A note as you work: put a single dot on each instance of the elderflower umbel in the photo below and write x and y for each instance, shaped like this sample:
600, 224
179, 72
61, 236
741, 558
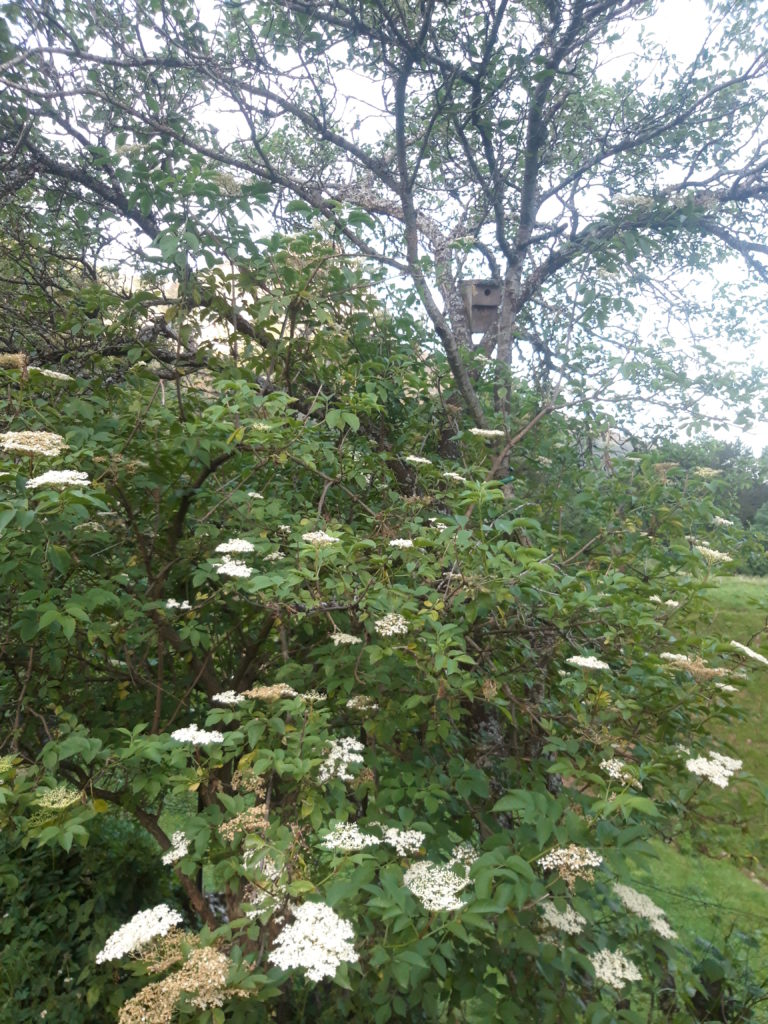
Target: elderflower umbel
567, 920
572, 862
274, 556
717, 768
231, 567
319, 539
59, 478
417, 460
616, 769
345, 638
51, 374
344, 754
236, 546
146, 925
436, 887
401, 542
404, 840
586, 662
191, 734
172, 604
479, 432
749, 652
348, 838
318, 941
228, 697
719, 521
710, 555
32, 442
391, 624
179, 848
613, 968
256, 495
313, 696
456, 477
362, 703
642, 905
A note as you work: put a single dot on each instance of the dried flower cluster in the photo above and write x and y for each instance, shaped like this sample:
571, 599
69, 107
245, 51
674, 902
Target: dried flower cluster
572, 862
567, 920
391, 624
32, 442
59, 478
142, 927
318, 941
613, 968
252, 819
344, 755
273, 691
204, 976
642, 905
717, 768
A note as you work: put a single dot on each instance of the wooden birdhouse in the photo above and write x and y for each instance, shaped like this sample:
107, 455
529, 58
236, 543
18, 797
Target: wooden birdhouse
482, 299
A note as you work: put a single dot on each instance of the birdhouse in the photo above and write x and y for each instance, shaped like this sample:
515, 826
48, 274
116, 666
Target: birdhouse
482, 299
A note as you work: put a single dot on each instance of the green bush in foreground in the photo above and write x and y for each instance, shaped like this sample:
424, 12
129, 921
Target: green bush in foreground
408, 724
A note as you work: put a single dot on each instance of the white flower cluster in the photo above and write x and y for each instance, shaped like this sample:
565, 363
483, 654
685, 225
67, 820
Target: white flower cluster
256, 495
727, 688
319, 539
401, 542
362, 703
719, 521
404, 840
344, 638
274, 556
479, 432
231, 567
567, 920
191, 734
391, 624
436, 886
417, 460
642, 905
655, 599
146, 925
236, 546
59, 478
348, 837
678, 659
437, 524
313, 696
32, 442
586, 662
51, 374
182, 606
344, 754
571, 862
613, 968
711, 555
318, 941
749, 652
617, 769
229, 698
456, 477
179, 848
717, 768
